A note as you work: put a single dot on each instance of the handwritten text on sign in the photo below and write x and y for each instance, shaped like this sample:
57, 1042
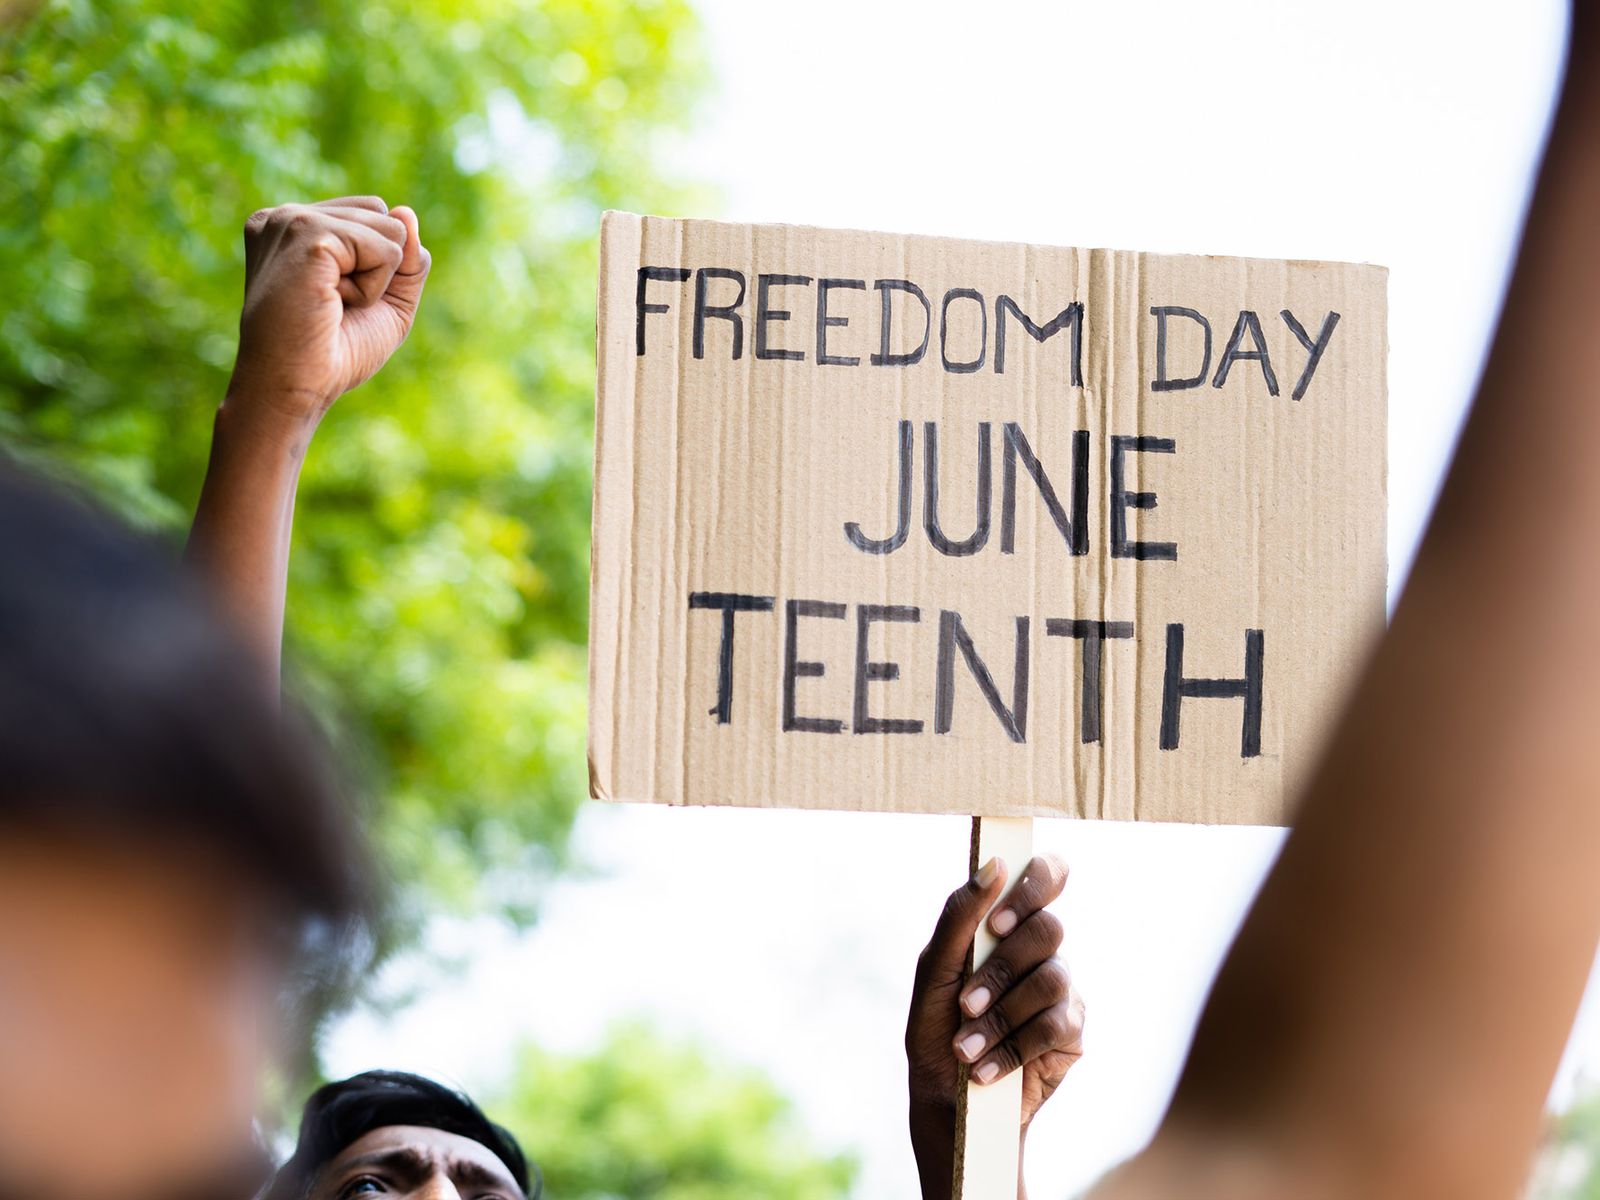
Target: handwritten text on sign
993, 534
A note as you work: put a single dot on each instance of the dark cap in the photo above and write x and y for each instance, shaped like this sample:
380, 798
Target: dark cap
339, 1114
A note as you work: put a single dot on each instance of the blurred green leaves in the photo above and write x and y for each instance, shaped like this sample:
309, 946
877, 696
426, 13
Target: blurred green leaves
643, 1119
1569, 1165
440, 567
438, 597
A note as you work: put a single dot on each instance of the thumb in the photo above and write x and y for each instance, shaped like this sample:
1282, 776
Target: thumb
405, 289
944, 962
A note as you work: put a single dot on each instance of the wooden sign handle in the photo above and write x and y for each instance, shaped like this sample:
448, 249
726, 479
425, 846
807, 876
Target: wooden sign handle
989, 1119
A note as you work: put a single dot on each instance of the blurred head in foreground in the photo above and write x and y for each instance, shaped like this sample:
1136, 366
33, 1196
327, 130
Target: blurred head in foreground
174, 860
386, 1133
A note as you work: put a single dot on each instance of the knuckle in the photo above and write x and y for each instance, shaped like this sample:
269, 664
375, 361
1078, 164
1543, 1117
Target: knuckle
1058, 1027
1054, 1065
1049, 929
994, 1024
999, 974
1007, 1054
1055, 981
958, 903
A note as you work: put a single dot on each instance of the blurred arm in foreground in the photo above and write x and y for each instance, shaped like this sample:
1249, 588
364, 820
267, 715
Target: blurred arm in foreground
331, 290
1390, 1019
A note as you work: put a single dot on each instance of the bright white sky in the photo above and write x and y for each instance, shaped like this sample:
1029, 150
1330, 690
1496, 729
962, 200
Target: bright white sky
1400, 132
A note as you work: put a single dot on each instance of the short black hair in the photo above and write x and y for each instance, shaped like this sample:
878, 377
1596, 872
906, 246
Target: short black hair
339, 1114
129, 709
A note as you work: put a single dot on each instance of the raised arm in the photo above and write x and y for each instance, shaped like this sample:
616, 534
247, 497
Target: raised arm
1390, 1019
331, 290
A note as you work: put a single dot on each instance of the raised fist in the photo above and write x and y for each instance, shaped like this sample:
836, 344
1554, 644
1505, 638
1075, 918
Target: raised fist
330, 292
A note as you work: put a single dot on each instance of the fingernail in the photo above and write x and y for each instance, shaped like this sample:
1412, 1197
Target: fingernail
1003, 922
987, 1072
976, 1001
972, 1046
988, 873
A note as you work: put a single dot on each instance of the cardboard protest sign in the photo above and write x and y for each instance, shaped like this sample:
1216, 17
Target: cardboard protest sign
924, 525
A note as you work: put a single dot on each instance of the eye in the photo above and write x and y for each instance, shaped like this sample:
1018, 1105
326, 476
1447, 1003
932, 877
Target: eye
363, 1185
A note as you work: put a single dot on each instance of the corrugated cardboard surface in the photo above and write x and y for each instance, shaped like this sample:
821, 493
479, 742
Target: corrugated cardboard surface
721, 475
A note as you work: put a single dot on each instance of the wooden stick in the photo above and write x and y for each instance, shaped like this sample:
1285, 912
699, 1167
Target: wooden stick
989, 1119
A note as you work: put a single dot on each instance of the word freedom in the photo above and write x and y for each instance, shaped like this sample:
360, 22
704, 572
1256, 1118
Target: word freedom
720, 295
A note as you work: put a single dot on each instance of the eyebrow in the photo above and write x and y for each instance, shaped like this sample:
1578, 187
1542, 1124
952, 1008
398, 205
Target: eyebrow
411, 1162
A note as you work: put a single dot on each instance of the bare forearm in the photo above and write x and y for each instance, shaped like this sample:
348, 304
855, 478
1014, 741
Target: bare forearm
241, 534
331, 290
1399, 997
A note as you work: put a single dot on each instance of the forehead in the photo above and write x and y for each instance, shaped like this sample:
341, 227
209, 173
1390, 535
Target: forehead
450, 1149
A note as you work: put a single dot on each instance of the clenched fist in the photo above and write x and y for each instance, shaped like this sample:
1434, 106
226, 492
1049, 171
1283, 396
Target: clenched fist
330, 292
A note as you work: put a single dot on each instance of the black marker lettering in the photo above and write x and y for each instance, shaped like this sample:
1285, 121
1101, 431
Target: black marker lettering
1071, 315
729, 603
1093, 635
795, 667
868, 671
1316, 348
825, 322
727, 312
952, 633
641, 306
1164, 382
930, 494
894, 541
963, 368
1177, 686
885, 357
1247, 321
765, 314
1074, 530
1122, 499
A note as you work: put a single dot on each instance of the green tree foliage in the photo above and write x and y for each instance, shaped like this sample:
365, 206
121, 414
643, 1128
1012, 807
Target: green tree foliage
1569, 1167
438, 598
440, 568
644, 1120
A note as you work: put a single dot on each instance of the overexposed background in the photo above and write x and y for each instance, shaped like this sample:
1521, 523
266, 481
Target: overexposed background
1375, 130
